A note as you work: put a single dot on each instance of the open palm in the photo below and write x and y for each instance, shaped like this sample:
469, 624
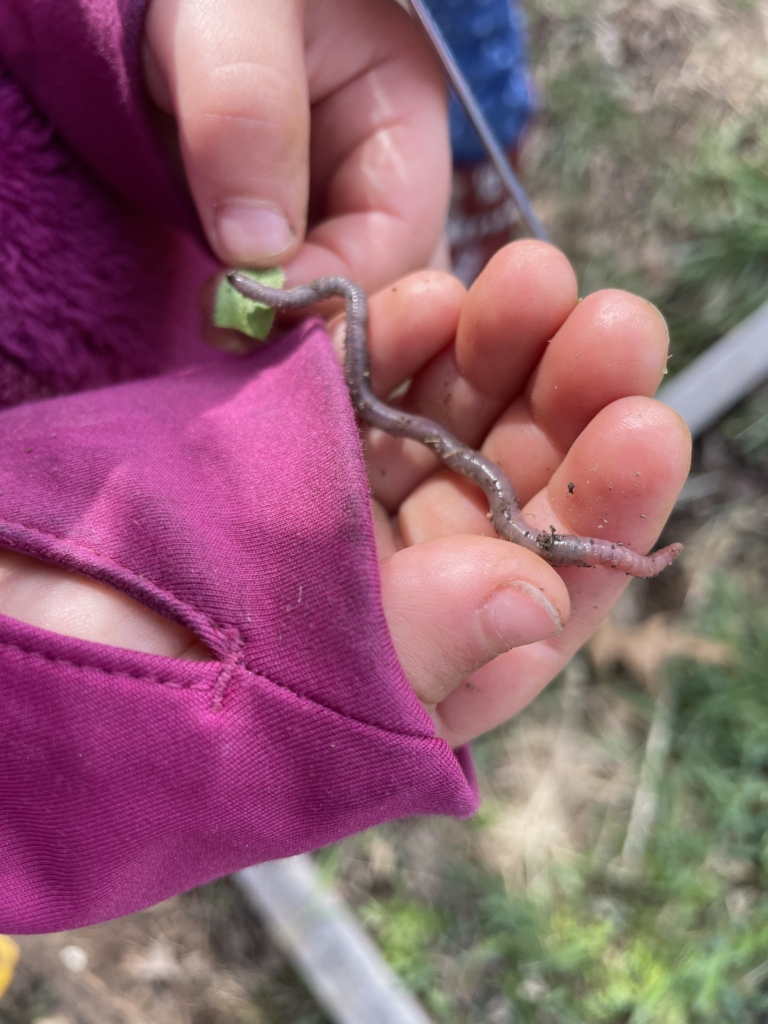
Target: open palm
558, 392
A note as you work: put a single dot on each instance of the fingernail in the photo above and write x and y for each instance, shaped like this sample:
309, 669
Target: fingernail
518, 614
250, 233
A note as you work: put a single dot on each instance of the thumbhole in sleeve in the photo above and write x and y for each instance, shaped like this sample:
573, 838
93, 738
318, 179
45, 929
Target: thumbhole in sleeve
70, 604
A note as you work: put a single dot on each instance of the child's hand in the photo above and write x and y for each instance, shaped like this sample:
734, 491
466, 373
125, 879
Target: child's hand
247, 79
559, 395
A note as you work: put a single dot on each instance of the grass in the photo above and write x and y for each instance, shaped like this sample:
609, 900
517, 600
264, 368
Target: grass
647, 183
720, 274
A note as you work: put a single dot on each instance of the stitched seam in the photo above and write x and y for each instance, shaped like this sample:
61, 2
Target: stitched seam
223, 628
54, 660
222, 680
256, 672
231, 661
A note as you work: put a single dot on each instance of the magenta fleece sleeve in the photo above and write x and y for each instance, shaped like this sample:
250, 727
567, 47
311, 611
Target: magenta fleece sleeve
80, 62
227, 494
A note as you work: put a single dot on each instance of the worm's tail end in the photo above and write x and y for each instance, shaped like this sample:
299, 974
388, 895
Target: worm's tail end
652, 565
563, 549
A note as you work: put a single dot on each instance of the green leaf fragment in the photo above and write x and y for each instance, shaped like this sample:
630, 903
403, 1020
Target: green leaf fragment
235, 311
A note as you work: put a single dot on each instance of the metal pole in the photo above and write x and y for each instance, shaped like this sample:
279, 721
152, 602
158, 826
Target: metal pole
338, 960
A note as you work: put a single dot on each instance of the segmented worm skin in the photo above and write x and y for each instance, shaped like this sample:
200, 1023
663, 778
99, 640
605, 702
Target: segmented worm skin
556, 548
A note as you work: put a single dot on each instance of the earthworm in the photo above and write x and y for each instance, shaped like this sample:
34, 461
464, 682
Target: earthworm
505, 515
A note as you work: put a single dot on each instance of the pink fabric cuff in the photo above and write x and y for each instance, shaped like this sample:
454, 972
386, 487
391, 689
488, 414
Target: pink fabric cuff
233, 499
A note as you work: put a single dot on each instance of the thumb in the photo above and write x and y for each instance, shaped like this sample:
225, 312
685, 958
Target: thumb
454, 604
232, 72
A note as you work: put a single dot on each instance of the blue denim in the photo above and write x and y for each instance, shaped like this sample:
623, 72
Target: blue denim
488, 39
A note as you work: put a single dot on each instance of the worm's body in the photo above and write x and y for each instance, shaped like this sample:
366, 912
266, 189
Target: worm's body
559, 549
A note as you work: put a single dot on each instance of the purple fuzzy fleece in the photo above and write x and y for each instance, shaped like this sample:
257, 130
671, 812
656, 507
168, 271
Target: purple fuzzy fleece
229, 495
